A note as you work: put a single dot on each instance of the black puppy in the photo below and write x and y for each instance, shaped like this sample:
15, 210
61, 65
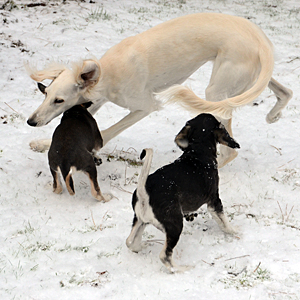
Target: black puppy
164, 197
74, 146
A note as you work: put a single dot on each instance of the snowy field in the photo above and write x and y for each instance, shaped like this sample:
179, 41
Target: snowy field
64, 247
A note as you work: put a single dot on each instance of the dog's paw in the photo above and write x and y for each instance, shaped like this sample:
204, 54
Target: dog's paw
40, 145
272, 119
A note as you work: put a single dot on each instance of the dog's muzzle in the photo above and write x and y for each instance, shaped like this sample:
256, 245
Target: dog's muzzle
31, 123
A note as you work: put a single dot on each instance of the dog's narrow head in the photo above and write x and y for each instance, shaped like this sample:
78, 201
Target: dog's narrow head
204, 129
68, 88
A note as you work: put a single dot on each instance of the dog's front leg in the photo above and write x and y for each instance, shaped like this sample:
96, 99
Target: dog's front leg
123, 124
40, 145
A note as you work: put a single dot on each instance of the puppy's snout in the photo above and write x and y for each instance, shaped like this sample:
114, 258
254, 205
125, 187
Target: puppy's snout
30, 122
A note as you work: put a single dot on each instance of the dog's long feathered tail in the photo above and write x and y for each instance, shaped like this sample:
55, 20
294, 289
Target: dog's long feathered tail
141, 187
190, 101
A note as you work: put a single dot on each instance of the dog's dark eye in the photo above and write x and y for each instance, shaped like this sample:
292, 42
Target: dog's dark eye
58, 101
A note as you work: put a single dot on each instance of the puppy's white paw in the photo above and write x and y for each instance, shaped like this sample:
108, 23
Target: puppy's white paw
179, 269
104, 197
58, 190
230, 230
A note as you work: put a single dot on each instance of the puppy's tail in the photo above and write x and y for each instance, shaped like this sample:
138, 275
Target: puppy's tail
141, 187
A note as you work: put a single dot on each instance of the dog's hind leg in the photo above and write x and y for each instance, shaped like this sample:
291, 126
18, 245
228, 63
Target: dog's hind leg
226, 154
134, 240
283, 96
40, 145
215, 208
229, 79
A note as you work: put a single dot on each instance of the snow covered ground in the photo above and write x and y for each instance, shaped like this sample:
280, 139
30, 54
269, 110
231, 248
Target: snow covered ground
63, 247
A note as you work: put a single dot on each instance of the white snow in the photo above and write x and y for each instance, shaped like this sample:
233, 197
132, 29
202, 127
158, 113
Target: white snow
64, 247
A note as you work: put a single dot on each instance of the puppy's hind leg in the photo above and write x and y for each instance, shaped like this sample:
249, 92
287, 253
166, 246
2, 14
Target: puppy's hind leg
91, 171
69, 183
173, 232
57, 188
134, 240
215, 208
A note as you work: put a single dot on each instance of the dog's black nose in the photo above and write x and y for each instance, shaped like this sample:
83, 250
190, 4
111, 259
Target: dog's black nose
31, 123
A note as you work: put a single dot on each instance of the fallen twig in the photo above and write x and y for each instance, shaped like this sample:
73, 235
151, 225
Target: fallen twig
11, 108
276, 149
237, 273
292, 226
211, 264
286, 163
120, 188
236, 257
257, 267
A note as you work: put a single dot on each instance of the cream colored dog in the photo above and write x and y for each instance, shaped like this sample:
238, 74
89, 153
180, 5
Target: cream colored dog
131, 72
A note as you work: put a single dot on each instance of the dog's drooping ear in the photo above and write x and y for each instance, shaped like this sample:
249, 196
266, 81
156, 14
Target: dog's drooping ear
182, 138
41, 87
90, 73
223, 137
143, 154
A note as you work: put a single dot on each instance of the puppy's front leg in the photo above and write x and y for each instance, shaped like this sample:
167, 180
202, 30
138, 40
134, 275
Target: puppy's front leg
221, 219
173, 231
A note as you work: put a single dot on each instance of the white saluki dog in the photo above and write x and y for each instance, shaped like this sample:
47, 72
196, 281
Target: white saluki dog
131, 72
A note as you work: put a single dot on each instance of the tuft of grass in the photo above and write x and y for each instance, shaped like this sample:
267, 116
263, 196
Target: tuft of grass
98, 14
124, 156
83, 249
9, 5
246, 278
81, 279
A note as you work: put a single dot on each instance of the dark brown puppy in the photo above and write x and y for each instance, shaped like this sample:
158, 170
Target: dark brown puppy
74, 147
164, 197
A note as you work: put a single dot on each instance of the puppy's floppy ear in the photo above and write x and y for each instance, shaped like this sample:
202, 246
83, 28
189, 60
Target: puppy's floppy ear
41, 87
89, 75
87, 104
223, 137
182, 138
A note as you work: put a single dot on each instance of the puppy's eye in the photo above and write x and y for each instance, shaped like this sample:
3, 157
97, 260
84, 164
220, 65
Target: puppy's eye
57, 101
